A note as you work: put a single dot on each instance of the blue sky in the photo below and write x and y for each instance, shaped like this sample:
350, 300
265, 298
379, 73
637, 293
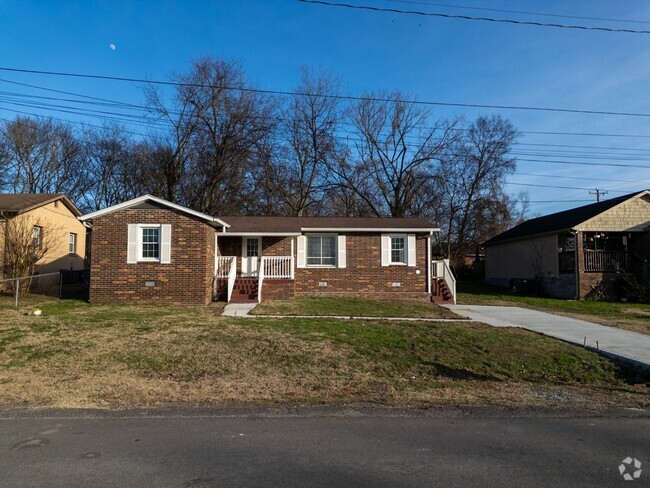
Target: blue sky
428, 58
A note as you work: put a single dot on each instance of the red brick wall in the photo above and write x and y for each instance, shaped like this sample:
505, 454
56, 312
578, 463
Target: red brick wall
278, 289
364, 275
186, 280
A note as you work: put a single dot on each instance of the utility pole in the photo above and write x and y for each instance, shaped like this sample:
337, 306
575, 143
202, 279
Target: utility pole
598, 193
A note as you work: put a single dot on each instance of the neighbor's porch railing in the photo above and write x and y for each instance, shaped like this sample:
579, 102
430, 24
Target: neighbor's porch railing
440, 269
606, 261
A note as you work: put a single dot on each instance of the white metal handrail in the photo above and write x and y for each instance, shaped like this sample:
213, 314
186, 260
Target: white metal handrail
277, 267
440, 269
232, 276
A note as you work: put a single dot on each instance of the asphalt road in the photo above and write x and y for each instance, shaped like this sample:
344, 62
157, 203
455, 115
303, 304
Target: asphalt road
365, 450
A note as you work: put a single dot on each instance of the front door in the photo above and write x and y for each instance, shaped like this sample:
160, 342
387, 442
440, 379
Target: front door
251, 250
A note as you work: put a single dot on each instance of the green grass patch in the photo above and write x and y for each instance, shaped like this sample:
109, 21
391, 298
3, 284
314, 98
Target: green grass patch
356, 307
631, 316
136, 355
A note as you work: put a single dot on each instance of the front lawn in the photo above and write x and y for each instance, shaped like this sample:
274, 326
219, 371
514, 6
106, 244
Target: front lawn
80, 355
630, 316
355, 307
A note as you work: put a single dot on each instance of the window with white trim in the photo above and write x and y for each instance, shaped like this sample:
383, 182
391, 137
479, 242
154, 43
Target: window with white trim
321, 250
72, 243
149, 243
398, 249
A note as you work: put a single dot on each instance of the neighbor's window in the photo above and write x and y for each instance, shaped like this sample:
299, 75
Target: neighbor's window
398, 250
37, 234
150, 243
72, 243
321, 250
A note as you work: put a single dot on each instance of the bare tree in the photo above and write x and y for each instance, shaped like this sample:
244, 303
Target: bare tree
42, 157
467, 193
297, 178
111, 168
23, 248
396, 149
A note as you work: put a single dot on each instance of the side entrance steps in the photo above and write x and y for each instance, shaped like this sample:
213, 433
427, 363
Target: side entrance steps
440, 292
245, 290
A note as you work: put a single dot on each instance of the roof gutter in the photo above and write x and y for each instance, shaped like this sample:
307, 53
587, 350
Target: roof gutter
370, 229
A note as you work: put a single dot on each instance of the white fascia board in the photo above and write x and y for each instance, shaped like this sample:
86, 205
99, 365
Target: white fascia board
365, 229
260, 234
144, 198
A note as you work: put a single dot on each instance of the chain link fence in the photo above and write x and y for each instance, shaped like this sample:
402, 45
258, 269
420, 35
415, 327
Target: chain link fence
62, 284
47, 284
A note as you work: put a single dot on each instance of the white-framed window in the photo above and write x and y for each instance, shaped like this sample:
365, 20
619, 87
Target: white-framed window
72, 243
252, 247
321, 250
148, 242
37, 237
398, 249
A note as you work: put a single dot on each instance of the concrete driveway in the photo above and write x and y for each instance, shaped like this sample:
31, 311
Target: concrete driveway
625, 344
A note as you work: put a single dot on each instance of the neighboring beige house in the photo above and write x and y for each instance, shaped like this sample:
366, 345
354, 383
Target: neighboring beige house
52, 218
579, 253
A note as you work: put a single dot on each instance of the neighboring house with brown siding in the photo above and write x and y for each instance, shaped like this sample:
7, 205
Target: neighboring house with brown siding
579, 253
52, 220
148, 249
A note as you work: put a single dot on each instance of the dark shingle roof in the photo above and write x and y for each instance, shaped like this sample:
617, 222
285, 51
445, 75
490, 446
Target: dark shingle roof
22, 202
559, 221
295, 224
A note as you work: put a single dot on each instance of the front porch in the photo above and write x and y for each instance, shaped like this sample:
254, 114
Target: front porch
261, 274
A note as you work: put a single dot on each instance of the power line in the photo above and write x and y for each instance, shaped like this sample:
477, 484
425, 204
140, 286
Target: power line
467, 17
555, 187
582, 178
522, 12
328, 96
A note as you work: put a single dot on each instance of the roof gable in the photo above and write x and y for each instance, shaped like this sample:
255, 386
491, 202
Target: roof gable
24, 202
560, 221
151, 201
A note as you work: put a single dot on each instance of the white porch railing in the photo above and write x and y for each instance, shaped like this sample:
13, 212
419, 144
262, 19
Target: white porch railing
232, 276
273, 268
277, 267
223, 266
440, 270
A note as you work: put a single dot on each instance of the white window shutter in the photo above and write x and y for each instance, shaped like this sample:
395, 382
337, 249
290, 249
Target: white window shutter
165, 244
385, 250
132, 244
301, 253
341, 256
411, 261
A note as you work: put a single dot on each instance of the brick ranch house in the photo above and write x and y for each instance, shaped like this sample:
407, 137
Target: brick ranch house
579, 253
149, 249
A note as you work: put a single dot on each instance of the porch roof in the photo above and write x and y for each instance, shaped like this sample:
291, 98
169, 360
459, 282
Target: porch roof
560, 221
296, 225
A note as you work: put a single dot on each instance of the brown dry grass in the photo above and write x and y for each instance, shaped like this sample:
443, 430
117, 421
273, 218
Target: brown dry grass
77, 355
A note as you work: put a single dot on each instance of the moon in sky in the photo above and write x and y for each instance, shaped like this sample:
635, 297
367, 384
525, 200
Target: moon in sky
112, 46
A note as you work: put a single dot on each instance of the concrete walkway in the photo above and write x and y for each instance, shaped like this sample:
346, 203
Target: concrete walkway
238, 309
624, 344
